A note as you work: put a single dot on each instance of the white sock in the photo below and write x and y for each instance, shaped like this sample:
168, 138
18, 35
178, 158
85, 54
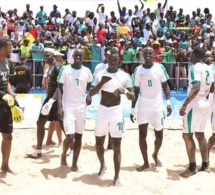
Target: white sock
38, 151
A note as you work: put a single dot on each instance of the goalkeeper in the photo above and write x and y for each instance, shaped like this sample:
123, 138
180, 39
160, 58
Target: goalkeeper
50, 106
6, 105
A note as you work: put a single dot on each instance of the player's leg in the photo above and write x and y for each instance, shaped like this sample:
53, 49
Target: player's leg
211, 141
51, 130
110, 145
143, 120
76, 151
191, 124
80, 117
203, 146
40, 136
143, 146
117, 159
40, 132
203, 150
59, 132
116, 127
157, 143
190, 148
6, 149
69, 129
100, 154
66, 145
157, 121
101, 130
6, 128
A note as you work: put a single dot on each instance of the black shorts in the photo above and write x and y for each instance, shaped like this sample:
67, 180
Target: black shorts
22, 88
6, 121
53, 112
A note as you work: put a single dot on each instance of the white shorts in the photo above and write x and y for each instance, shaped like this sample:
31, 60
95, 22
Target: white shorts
197, 114
155, 118
109, 119
74, 121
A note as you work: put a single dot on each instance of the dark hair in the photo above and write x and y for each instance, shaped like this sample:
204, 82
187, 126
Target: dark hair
3, 42
113, 51
199, 52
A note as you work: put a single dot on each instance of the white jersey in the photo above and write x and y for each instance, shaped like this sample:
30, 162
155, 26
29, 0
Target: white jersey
200, 72
212, 95
149, 81
74, 86
99, 67
120, 79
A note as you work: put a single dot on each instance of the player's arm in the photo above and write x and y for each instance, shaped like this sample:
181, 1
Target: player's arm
165, 4
194, 91
142, 5
212, 88
133, 113
94, 90
167, 95
10, 91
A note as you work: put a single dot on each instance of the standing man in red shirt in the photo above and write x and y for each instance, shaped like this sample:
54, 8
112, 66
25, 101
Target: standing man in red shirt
101, 33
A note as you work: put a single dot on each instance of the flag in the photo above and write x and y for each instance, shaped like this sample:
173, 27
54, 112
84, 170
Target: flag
149, 1
30, 36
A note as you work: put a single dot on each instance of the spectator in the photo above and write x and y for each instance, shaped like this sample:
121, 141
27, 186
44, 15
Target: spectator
127, 57
95, 48
54, 12
102, 15
138, 12
168, 55
180, 68
41, 15
22, 77
37, 52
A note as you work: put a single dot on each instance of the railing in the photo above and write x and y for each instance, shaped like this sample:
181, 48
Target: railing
173, 69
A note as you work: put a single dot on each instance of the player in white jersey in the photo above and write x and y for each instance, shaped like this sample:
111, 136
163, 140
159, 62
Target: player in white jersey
100, 67
211, 141
196, 110
111, 83
149, 80
73, 80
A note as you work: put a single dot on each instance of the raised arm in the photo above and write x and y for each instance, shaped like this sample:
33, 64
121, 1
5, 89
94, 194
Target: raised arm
119, 8
164, 6
142, 5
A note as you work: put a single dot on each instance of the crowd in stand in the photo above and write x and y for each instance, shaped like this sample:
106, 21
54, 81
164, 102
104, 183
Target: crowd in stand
171, 33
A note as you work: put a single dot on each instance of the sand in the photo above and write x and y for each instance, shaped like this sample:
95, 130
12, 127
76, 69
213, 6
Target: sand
47, 176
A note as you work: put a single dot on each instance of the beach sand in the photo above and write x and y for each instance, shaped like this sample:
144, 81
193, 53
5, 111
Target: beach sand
47, 176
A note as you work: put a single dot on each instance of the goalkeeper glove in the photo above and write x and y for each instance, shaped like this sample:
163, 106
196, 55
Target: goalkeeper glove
17, 114
9, 99
47, 107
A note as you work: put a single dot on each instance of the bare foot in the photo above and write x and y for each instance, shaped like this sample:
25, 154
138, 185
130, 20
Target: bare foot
157, 161
143, 167
74, 168
63, 160
117, 183
102, 171
49, 143
8, 170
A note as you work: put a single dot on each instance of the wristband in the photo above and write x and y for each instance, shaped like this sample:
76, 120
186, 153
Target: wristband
168, 102
51, 100
126, 91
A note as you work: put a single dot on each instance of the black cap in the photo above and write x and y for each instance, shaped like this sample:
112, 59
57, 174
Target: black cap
54, 5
